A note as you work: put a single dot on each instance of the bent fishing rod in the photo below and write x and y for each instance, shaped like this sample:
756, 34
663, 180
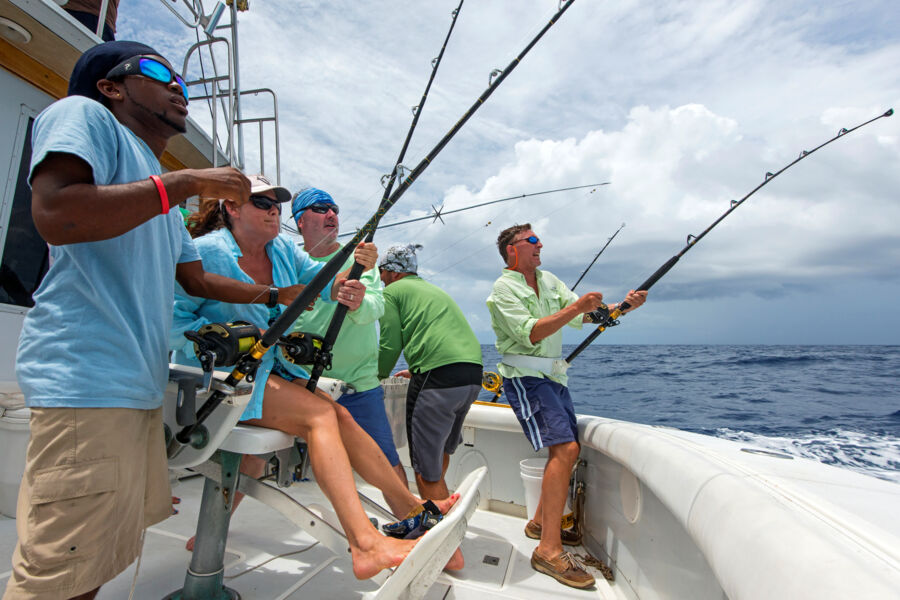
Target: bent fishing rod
323, 357
608, 242
440, 213
692, 240
246, 363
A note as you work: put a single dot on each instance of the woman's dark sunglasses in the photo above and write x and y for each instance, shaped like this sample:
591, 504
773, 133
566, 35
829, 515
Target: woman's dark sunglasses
265, 203
148, 67
531, 239
323, 209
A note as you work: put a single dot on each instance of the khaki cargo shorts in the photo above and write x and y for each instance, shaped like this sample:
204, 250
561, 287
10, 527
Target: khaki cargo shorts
95, 478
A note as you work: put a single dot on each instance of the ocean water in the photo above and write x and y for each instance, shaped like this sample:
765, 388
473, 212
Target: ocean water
836, 404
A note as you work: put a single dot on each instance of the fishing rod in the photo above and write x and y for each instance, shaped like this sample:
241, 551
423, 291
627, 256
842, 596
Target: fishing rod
440, 213
247, 363
608, 242
611, 318
322, 358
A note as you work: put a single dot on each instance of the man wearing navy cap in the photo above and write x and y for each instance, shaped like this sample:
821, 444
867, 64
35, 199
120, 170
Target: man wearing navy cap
92, 358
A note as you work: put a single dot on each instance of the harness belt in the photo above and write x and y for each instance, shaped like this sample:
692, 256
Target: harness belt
546, 365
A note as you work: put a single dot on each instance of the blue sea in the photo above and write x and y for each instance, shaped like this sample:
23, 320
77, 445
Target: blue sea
836, 404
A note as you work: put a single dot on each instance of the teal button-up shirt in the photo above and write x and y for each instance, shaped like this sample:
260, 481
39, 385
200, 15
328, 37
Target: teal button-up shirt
220, 252
515, 308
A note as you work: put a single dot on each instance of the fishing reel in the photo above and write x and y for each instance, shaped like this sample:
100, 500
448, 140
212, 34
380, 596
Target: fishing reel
223, 344
301, 348
491, 381
600, 316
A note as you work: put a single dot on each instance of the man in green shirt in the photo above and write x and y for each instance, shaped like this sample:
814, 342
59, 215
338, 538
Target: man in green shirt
444, 359
355, 352
529, 308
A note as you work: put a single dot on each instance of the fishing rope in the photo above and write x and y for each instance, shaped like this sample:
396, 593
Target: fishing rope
693, 239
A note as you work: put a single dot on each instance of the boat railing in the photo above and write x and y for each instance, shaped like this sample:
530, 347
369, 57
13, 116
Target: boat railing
221, 82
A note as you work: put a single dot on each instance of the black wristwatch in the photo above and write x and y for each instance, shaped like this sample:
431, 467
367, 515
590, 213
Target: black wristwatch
273, 297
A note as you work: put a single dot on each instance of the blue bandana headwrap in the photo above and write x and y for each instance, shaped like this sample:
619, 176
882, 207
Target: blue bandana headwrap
306, 198
401, 259
97, 62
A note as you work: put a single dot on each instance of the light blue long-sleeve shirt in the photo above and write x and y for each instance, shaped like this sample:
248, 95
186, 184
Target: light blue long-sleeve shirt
219, 253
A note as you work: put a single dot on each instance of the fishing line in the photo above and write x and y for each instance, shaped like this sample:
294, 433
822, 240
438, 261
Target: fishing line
692, 239
246, 365
485, 247
439, 213
608, 242
323, 358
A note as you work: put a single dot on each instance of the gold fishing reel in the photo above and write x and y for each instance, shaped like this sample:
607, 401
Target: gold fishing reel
491, 381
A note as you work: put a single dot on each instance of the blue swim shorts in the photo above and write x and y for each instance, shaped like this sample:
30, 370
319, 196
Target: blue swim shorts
368, 411
544, 409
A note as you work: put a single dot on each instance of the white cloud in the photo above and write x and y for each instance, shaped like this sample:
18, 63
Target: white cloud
682, 106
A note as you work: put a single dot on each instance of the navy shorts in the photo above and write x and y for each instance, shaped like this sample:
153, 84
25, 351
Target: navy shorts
544, 409
368, 411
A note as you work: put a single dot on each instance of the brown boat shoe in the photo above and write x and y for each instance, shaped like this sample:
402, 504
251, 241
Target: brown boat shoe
569, 537
565, 568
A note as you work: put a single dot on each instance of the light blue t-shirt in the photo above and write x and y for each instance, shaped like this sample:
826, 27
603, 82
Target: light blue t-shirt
98, 333
220, 252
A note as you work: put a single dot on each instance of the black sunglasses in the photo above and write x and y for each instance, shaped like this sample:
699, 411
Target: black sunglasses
146, 66
265, 203
323, 209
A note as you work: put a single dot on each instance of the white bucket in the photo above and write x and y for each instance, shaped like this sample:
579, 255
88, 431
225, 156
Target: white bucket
532, 472
395, 407
14, 434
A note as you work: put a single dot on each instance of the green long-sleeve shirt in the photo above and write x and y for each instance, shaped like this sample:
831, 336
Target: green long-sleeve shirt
515, 308
422, 320
355, 353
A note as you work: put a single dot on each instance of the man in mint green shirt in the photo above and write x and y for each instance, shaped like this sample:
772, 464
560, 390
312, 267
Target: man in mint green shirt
444, 359
529, 307
355, 352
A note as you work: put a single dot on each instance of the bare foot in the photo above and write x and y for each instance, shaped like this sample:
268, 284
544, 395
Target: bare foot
445, 504
456, 561
189, 546
384, 553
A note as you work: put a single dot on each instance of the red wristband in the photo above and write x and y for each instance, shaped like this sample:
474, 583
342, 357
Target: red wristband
163, 196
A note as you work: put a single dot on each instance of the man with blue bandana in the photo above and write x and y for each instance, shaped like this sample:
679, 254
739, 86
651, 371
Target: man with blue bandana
355, 352
93, 354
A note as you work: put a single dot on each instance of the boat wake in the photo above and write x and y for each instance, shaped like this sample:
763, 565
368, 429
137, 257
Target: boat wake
875, 455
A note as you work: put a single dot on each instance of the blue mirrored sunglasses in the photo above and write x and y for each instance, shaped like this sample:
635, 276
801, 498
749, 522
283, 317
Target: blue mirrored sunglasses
531, 239
148, 67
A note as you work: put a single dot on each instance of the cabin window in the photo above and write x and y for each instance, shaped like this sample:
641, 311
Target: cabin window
25, 254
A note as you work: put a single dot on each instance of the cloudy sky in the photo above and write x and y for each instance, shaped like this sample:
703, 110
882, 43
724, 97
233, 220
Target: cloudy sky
681, 106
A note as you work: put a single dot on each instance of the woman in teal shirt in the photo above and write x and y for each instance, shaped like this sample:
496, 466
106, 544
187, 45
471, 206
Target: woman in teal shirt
242, 241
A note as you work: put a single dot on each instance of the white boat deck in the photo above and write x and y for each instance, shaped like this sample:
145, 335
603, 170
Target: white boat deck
270, 558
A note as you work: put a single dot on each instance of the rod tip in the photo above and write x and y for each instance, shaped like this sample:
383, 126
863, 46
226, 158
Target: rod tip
889, 112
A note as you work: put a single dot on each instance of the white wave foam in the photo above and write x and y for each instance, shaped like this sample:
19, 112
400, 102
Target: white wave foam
878, 456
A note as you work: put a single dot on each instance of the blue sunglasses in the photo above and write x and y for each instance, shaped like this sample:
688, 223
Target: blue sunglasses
148, 67
531, 239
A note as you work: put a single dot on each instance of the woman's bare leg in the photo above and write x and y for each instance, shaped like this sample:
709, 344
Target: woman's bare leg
296, 411
370, 462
